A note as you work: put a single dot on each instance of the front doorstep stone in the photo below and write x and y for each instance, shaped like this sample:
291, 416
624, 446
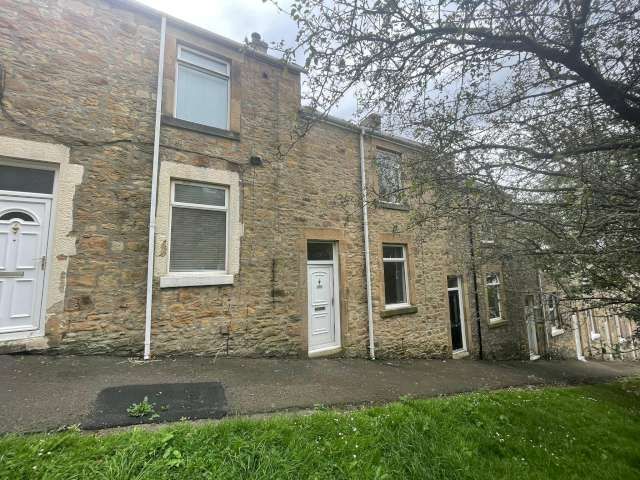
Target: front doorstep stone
33, 344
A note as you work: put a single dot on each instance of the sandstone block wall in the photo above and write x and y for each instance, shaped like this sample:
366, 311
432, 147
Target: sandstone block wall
83, 73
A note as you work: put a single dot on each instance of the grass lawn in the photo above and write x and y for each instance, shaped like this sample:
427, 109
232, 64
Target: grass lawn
586, 432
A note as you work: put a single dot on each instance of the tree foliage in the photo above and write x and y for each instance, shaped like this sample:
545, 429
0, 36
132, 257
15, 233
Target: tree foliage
529, 111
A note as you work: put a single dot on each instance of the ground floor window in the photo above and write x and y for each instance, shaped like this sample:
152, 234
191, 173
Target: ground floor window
395, 276
593, 325
494, 296
553, 312
198, 228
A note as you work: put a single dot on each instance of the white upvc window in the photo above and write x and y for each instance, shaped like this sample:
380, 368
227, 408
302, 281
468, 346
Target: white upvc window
202, 88
554, 314
621, 333
494, 297
199, 228
593, 326
396, 280
389, 176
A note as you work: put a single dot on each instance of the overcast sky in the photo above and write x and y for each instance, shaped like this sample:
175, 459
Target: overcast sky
236, 19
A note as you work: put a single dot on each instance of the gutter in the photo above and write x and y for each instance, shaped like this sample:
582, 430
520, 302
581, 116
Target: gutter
367, 258
154, 194
352, 127
204, 33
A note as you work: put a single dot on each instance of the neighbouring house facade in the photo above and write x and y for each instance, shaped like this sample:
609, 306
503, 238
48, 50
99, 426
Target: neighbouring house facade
577, 330
256, 247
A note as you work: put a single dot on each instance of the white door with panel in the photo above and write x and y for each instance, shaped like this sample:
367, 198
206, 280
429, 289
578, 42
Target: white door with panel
24, 230
323, 311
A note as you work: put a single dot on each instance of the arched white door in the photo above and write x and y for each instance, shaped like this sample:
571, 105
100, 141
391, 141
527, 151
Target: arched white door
24, 229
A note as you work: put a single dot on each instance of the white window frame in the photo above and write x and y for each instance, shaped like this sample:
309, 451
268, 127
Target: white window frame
621, 337
204, 69
595, 335
398, 170
198, 206
392, 306
497, 283
556, 324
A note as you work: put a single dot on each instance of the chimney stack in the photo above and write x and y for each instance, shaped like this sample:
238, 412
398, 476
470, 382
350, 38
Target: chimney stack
372, 121
258, 44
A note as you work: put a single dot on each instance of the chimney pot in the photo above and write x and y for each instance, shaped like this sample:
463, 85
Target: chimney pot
258, 44
372, 121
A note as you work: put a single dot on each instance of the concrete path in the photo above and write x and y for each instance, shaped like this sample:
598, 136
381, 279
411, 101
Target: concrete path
40, 392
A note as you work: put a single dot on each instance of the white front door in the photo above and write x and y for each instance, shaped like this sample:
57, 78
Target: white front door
24, 230
323, 297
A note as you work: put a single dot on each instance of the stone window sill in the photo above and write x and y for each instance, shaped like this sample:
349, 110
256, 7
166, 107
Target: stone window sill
197, 127
393, 206
497, 322
392, 312
460, 354
195, 280
556, 331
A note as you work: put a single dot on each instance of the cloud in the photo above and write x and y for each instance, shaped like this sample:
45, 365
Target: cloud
235, 19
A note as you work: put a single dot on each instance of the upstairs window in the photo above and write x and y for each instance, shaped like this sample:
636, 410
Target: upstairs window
389, 176
198, 228
493, 297
395, 276
202, 89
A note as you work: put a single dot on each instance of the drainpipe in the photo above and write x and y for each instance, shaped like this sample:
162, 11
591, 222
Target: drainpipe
474, 274
367, 259
154, 194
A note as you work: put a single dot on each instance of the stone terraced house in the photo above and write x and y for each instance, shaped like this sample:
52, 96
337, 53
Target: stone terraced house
253, 248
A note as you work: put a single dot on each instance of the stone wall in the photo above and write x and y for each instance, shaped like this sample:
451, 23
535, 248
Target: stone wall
93, 89
83, 74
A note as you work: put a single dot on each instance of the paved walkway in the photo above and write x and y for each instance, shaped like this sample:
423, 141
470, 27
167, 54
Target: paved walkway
40, 392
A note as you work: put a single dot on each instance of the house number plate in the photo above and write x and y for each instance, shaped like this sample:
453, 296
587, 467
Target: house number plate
11, 274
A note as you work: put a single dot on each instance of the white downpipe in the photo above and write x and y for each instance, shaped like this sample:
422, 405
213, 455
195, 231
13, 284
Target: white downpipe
367, 259
154, 194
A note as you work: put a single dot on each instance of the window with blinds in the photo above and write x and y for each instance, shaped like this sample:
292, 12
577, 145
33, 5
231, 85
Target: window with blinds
202, 89
198, 228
